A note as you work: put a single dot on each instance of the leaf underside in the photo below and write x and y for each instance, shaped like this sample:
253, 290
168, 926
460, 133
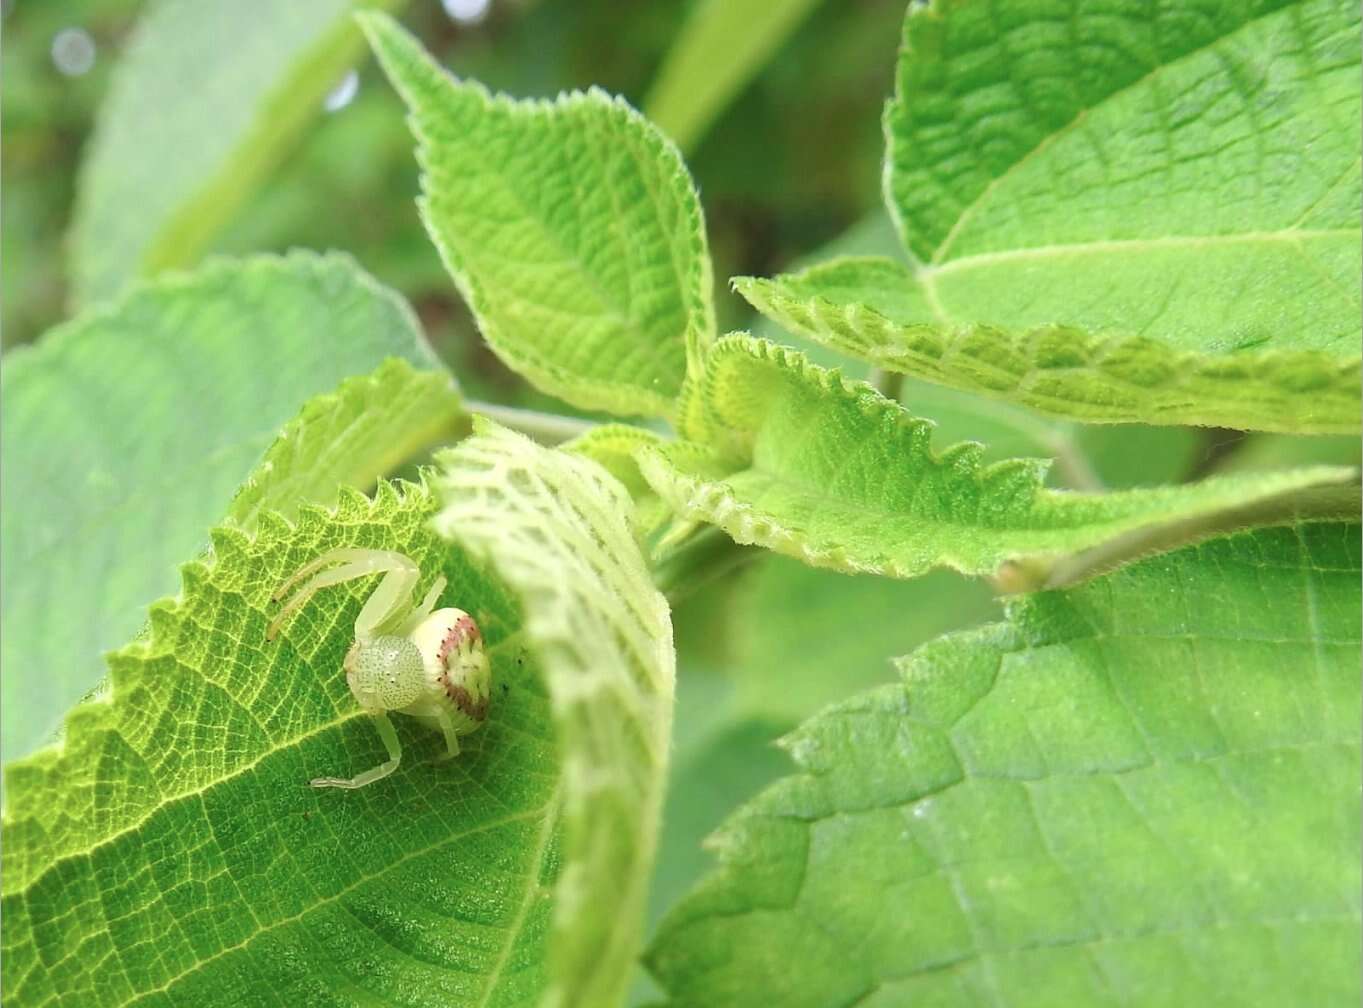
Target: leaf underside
1141, 791
557, 528
831, 472
1160, 224
616, 447
126, 458
869, 308
570, 227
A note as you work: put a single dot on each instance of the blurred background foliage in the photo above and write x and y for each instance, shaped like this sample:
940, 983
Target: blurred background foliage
787, 160
791, 162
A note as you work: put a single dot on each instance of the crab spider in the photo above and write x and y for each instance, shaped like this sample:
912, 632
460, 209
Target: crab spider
429, 664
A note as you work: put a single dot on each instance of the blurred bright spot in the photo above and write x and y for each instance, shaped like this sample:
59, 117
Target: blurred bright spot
467, 11
73, 51
343, 93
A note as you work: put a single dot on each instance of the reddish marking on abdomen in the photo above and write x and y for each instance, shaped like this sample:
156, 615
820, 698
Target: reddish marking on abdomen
463, 631
463, 699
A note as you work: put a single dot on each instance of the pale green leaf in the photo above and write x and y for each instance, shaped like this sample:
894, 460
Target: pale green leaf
1143, 791
205, 102
1088, 456
1158, 223
556, 528
875, 309
351, 437
615, 448
570, 227
171, 852
803, 462
178, 803
126, 431
721, 46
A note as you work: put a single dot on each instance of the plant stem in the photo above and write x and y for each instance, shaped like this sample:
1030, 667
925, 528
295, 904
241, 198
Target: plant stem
548, 428
704, 558
1341, 501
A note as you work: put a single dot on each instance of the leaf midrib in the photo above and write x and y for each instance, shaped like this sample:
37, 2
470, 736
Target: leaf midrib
939, 253
355, 884
1291, 236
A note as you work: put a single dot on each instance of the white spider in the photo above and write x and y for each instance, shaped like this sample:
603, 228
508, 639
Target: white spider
430, 665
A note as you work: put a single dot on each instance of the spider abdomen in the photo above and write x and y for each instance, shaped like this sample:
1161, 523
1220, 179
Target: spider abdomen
457, 669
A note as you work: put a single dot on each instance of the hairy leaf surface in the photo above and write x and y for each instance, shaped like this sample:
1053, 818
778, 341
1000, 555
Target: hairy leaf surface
1141, 791
126, 430
1161, 224
171, 852
803, 462
556, 527
570, 227
169, 164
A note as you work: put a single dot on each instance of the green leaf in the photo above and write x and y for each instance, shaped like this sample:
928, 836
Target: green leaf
1142, 791
126, 430
723, 44
471, 881
171, 852
169, 164
806, 463
615, 447
570, 227
351, 437
875, 309
555, 527
1088, 456
1127, 229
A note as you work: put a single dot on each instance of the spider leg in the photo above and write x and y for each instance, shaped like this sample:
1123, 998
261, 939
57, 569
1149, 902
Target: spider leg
425, 609
390, 742
390, 596
451, 736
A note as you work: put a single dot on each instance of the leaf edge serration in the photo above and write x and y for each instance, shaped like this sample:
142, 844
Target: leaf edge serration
1004, 363
386, 37
701, 493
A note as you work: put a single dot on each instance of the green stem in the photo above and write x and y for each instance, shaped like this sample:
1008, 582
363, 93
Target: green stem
547, 428
1317, 504
704, 558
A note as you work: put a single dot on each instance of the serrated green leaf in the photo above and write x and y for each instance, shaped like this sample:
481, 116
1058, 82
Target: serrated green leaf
169, 164
170, 852
555, 526
1088, 456
1127, 229
875, 310
570, 227
178, 805
803, 462
126, 431
351, 437
723, 43
1144, 791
